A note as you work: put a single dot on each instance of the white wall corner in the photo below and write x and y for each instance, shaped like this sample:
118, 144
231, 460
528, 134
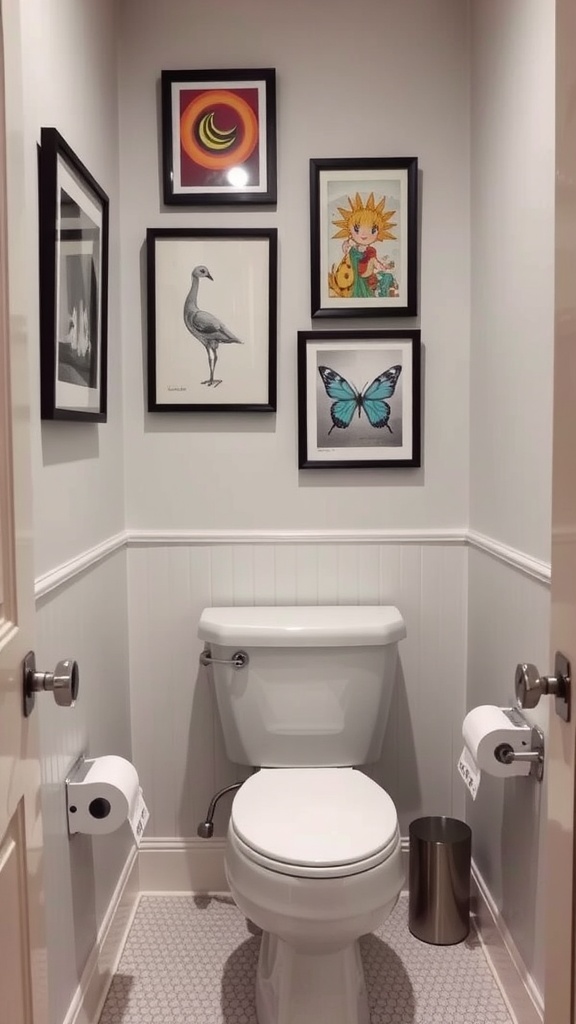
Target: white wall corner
513, 978
89, 998
519, 991
182, 865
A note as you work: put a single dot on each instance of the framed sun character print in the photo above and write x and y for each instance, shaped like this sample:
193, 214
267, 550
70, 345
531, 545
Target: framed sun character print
363, 237
219, 137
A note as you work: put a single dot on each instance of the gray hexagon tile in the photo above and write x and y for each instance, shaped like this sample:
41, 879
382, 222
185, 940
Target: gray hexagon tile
193, 959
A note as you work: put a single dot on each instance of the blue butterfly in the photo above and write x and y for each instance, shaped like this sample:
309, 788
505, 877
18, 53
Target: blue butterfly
348, 398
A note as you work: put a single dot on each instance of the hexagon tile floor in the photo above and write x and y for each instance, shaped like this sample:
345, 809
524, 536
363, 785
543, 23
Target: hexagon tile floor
192, 960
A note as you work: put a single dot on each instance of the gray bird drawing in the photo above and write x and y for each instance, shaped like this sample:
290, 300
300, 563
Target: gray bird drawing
206, 327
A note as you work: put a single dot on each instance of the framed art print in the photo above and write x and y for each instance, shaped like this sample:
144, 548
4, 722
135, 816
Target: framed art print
358, 399
212, 319
73, 212
219, 136
363, 237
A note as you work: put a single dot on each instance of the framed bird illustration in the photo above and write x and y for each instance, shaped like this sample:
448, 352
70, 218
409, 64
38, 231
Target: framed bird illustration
212, 320
359, 399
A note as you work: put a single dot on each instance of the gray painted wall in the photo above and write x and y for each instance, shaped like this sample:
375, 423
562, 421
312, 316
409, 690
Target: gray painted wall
512, 219
86, 75
70, 82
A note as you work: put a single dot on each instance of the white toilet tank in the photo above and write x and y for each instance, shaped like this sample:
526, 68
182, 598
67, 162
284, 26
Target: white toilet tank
317, 688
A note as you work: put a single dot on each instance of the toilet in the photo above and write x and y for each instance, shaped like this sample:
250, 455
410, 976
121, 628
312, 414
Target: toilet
313, 848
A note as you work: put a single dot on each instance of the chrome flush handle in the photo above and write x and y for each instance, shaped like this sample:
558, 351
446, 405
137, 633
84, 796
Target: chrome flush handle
238, 660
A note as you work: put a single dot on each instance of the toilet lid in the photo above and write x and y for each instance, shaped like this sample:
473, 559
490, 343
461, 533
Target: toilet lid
315, 817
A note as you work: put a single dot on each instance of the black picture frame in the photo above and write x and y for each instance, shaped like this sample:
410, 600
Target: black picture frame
73, 253
365, 387
363, 237
238, 314
219, 137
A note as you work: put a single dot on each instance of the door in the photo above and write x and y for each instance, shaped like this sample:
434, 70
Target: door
560, 759
23, 997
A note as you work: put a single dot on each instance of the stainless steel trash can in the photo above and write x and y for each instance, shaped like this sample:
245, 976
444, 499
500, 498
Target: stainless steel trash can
439, 880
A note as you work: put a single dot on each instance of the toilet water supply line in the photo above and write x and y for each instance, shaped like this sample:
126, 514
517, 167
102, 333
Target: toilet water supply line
238, 660
206, 828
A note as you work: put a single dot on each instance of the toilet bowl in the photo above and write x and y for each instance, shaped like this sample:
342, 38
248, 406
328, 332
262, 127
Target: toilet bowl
313, 858
313, 853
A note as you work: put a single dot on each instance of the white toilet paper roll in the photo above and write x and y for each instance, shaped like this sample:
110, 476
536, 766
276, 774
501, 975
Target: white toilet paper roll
102, 795
487, 727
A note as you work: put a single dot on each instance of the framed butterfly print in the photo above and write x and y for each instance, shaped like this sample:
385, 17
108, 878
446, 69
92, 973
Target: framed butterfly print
363, 237
358, 399
219, 137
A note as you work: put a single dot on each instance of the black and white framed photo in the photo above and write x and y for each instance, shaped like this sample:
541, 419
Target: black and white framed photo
363, 237
358, 399
219, 136
212, 319
73, 285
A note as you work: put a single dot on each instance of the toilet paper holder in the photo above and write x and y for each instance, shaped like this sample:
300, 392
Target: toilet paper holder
505, 753
102, 794
76, 774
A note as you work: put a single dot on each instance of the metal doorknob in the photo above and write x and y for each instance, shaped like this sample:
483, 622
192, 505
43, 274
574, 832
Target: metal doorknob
530, 685
64, 682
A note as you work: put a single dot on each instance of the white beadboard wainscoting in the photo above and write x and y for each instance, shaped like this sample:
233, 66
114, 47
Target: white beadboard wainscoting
128, 610
89, 884
509, 622
176, 738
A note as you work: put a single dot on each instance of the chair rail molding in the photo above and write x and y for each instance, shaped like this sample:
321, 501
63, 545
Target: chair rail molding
449, 537
526, 564
212, 538
86, 560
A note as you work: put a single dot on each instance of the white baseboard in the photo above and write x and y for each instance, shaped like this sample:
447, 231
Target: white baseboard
182, 865
193, 865
512, 976
89, 998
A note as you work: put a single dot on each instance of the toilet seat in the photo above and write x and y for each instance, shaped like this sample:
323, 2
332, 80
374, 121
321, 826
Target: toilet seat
314, 822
